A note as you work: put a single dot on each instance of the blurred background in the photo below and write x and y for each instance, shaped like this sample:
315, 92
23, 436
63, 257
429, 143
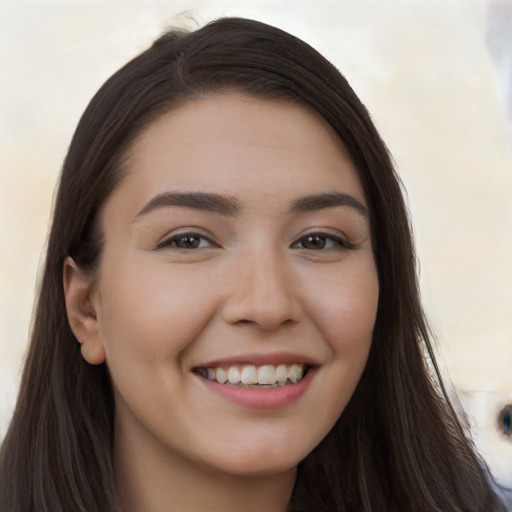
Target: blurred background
437, 79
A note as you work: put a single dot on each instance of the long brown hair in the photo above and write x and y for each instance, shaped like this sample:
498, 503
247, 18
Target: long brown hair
397, 446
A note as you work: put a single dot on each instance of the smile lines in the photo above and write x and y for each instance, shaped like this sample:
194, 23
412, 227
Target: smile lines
267, 375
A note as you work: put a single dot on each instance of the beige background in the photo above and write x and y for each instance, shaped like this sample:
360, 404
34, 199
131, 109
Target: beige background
437, 77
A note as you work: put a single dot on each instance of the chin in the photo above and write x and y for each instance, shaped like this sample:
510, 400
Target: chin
262, 462
255, 470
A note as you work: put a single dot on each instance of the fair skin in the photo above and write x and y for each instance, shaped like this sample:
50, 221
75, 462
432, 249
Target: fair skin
274, 268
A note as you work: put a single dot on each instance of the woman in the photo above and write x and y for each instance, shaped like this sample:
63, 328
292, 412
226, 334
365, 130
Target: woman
229, 316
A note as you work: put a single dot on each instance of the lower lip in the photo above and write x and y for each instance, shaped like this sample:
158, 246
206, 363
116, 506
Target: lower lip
264, 398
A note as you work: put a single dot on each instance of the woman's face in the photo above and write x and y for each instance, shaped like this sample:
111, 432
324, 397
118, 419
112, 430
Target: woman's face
237, 247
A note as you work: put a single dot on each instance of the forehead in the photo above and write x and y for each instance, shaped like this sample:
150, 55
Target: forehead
239, 145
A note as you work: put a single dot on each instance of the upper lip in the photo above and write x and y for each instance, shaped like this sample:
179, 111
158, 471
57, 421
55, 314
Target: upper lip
260, 359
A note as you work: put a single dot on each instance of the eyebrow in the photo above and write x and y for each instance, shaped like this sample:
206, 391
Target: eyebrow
230, 207
327, 200
216, 203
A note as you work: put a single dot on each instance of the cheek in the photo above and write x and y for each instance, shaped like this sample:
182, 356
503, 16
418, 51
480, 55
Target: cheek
152, 312
347, 308
346, 313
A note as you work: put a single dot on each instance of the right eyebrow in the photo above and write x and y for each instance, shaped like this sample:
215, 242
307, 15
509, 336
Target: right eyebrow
216, 203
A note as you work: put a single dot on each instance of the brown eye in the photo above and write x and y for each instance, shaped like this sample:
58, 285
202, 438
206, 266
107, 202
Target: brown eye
187, 241
321, 241
313, 242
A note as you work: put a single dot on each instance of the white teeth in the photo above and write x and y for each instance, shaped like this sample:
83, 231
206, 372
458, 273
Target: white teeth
281, 374
267, 374
295, 372
234, 375
220, 375
251, 375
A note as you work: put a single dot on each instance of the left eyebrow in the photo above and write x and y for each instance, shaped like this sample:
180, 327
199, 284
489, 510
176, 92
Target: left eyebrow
327, 200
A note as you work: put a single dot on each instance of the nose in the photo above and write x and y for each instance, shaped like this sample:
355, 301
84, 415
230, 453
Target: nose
263, 292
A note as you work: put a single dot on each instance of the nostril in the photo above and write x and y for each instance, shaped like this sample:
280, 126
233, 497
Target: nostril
261, 309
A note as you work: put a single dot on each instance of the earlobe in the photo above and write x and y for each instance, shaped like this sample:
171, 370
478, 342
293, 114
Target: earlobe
81, 312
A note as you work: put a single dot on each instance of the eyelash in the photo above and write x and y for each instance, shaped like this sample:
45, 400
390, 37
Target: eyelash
338, 240
173, 241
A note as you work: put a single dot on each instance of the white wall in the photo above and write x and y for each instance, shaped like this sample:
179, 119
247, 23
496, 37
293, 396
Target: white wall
437, 77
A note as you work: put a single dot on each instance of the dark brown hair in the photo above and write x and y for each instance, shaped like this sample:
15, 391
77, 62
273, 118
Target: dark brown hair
398, 445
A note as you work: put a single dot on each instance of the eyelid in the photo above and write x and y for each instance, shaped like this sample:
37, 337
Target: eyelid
340, 239
175, 235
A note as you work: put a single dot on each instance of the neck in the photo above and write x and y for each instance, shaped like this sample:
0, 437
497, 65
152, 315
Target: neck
162, 481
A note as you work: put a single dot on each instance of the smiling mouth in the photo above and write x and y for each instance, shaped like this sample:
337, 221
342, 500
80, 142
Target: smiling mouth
264, 376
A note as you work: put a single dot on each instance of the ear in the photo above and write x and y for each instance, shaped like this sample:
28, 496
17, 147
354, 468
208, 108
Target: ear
81, 313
